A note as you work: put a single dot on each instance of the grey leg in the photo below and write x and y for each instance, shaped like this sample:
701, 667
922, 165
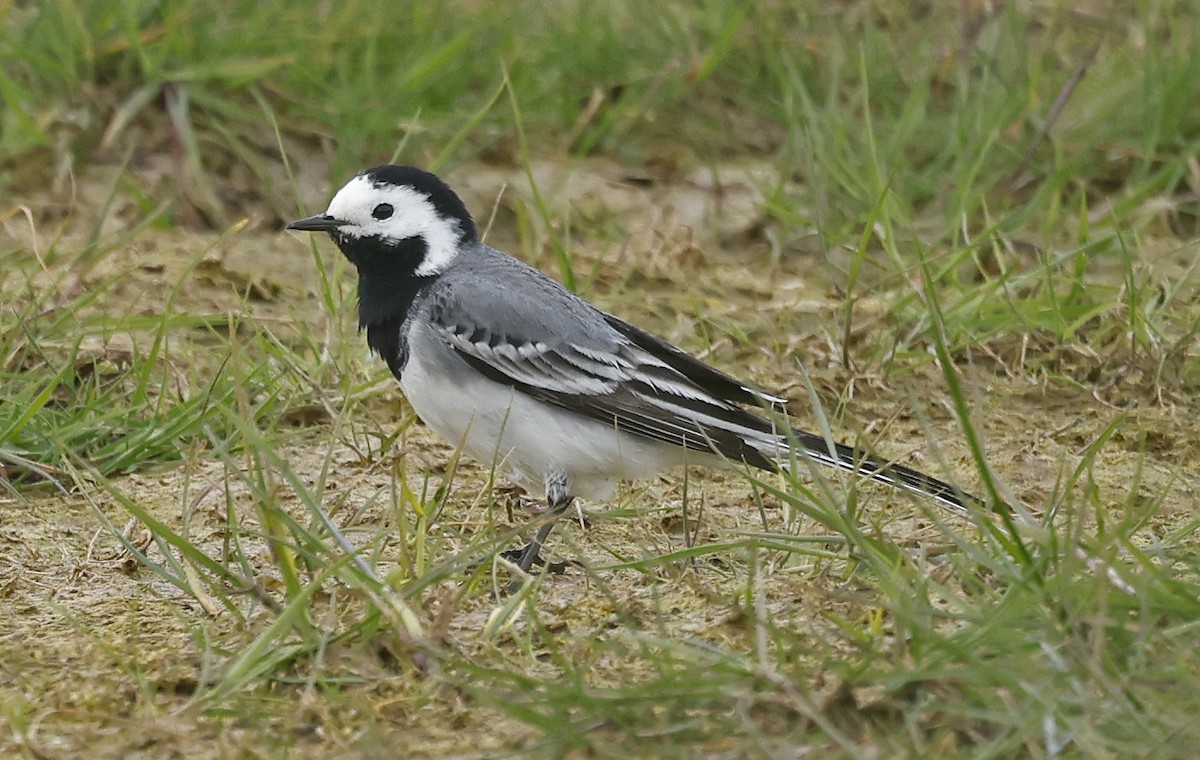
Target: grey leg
558, 497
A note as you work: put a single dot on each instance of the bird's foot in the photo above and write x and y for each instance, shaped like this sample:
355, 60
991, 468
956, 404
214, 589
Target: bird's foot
529, 556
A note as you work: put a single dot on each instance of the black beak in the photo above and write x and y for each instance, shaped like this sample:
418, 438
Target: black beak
317, 223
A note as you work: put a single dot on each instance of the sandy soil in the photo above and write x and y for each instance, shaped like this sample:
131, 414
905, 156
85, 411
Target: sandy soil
99, 656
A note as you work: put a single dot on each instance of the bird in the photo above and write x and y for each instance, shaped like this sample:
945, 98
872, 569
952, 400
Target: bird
564, 399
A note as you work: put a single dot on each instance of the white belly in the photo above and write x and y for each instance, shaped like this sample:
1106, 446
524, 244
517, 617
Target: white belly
524, 438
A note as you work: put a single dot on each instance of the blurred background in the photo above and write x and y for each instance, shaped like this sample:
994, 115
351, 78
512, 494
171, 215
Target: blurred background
967, 112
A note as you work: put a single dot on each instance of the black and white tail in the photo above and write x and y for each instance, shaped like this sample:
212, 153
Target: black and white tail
679, 399
847, 458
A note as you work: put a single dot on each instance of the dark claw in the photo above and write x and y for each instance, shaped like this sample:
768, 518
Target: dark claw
527, 557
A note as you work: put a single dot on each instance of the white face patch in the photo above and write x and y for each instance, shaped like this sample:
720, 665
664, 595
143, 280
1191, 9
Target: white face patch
360, 201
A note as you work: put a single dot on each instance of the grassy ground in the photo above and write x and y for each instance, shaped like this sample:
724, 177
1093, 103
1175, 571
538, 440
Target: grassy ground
961, 235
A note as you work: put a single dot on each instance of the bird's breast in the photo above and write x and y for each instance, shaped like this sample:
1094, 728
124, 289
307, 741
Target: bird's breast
522, 437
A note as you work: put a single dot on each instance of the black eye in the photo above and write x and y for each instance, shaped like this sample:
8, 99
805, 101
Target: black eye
382, 211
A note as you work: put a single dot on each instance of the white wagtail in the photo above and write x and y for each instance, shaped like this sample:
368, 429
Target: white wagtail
524, 375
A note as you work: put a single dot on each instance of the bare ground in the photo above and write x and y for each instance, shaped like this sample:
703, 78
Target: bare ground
98, 657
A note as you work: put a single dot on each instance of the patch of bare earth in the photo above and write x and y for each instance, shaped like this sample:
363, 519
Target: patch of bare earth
98, 656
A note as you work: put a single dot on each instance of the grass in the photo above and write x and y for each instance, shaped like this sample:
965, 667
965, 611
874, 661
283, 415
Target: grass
227, 536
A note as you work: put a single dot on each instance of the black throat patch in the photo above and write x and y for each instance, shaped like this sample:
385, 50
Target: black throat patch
388, 286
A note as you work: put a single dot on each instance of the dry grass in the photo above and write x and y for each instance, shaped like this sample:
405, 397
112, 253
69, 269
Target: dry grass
193, 438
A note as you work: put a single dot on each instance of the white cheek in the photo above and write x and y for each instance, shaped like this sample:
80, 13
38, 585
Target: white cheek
441, 246
412, 215
394, 230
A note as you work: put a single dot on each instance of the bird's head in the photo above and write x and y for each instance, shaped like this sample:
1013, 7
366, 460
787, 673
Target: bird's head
395, 218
